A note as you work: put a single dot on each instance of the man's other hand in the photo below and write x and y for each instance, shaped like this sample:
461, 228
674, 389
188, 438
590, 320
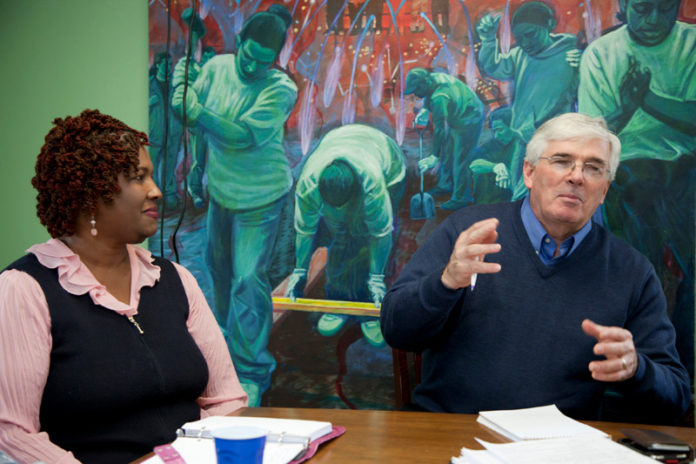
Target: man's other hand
616, 344
468, 254
377, 288
427, 163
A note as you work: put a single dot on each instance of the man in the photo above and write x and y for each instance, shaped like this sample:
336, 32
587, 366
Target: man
457, 115
641, 78
561, 309
353, 181
239, 105
538, 53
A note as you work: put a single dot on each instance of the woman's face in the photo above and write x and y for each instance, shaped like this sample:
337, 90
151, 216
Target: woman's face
132, 215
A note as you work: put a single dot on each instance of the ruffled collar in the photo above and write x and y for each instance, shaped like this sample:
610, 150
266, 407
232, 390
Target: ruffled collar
77, 279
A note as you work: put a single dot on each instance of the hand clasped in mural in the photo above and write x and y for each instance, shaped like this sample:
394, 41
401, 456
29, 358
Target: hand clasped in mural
285, 137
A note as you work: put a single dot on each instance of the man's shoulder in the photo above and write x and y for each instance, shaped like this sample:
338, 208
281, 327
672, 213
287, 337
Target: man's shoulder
619, 252
611, 40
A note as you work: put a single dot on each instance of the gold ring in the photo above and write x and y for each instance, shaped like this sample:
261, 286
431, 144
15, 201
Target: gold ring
623, 362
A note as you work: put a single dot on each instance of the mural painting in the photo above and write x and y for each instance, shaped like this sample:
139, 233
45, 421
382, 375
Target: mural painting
306, 148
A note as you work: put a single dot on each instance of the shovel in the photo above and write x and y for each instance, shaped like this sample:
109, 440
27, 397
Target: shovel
422, 204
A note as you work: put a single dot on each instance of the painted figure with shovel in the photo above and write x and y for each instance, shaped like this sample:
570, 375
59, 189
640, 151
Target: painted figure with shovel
457, 116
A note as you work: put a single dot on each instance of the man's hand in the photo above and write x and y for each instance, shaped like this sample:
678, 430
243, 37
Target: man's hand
502, 178
180, 72
616, 344
487, 28
296, 284
427, 163
468, 254
377, 288
193, 107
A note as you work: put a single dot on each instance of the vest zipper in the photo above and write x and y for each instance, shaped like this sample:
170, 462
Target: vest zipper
135, 323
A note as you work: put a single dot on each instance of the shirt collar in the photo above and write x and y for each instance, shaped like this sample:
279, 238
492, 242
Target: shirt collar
538, 235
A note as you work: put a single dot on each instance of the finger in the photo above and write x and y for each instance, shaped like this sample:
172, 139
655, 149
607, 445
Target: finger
609, 370
613, 349
478, 232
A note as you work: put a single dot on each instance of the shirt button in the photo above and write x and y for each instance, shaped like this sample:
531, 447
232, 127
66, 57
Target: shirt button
547, 240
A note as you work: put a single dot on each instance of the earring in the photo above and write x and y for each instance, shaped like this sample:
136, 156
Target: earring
93, 225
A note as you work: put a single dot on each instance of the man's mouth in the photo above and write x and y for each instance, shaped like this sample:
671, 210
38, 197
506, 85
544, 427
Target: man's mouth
152, 212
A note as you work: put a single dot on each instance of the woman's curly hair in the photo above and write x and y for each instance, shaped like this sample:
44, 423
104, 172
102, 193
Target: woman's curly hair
79, 164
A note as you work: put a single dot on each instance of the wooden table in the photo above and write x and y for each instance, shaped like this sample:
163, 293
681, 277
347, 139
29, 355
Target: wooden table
399, 437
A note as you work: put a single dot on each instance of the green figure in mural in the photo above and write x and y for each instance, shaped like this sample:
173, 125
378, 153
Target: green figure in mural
543, 66
498, 162
353, 181
164, 162
457, 115
239, 105
642, 78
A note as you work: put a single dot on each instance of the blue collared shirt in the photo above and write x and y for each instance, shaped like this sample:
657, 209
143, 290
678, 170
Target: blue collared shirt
544, 245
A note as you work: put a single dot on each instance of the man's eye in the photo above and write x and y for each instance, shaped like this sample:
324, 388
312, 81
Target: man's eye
561, 162
592, 168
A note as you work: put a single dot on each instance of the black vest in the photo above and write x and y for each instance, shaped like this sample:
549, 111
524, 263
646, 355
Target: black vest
113, 393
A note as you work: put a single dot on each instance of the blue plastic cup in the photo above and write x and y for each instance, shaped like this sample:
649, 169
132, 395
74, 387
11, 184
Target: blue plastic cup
238, 444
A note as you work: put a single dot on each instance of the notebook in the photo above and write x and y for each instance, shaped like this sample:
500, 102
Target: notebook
535, 423
289, 440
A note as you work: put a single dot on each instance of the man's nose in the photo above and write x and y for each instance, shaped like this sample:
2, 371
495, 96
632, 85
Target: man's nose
576, 175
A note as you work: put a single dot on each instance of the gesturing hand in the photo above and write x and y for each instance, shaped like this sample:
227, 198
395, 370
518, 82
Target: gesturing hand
616, 344
475, 242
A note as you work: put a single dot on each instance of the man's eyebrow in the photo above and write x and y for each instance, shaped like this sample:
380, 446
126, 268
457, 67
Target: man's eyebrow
591, 159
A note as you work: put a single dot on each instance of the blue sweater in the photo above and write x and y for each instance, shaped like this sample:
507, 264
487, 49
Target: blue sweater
517, 341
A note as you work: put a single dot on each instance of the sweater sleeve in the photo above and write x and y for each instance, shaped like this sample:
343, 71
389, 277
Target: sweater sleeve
416, 309
25, 349
660, 380
223, 394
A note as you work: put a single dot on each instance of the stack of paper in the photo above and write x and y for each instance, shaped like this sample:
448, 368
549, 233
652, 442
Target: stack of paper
535, 423
575, 450
195, 444
545, 434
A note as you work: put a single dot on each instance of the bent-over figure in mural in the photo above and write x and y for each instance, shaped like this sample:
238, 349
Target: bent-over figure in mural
353, 181
239, 104
457, 115
543, 66
642, 78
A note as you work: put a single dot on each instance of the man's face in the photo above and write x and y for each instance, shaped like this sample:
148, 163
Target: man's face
564, 200
253, 60
650, 21
531, 38
421, 89
162, 70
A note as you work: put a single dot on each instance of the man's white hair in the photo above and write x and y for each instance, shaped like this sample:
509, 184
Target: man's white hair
570, 126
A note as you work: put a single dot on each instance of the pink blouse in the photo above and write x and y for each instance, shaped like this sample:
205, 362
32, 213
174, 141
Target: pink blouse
25, 344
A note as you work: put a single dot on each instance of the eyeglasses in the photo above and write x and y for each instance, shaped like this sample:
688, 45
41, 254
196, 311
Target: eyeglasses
566, 164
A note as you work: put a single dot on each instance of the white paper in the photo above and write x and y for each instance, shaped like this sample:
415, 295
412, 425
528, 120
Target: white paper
576, 450
304, 428
535, 423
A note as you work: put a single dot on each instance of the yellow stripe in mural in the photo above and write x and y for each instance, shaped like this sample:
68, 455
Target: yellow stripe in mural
353, 308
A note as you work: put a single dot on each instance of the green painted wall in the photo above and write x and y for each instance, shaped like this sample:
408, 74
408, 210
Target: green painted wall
59, 57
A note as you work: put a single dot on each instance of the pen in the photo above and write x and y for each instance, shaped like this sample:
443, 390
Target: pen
473, 277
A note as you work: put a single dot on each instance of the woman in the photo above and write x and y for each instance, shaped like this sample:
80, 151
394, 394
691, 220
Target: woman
104, 350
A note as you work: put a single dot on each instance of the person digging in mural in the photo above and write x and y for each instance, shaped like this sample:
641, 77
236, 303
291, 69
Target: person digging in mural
239, 104
561, 309
457, 115
641, 78
353, 182
105, 350
498, 161
543, 66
